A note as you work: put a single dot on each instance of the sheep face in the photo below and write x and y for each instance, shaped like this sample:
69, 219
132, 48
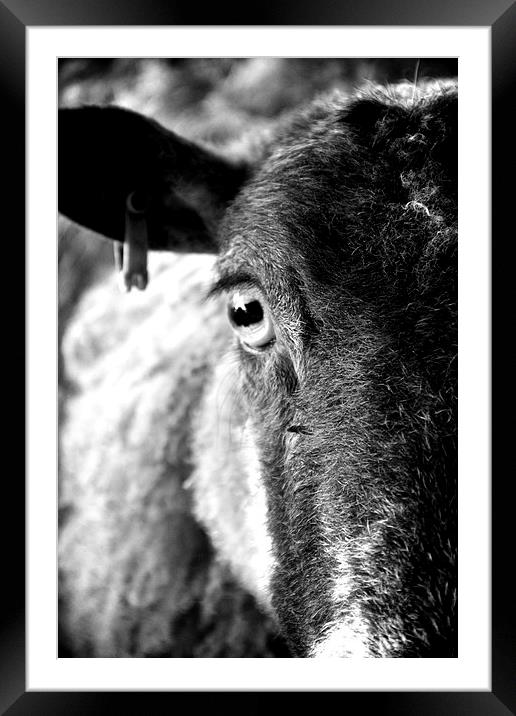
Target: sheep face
340, 289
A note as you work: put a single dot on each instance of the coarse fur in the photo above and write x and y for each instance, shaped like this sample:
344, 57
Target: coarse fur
221, 500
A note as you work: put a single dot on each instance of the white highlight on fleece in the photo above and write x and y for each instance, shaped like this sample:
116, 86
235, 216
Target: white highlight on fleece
229, 494
255, 507
347, 635
345, 638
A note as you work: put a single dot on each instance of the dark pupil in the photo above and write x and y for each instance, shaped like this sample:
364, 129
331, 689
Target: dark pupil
252, 313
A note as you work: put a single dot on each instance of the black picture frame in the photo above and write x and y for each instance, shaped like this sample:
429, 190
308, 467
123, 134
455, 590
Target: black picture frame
500, 15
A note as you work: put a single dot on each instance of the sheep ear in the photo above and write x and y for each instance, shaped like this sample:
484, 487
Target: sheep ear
370, 117
432, 120
127, 177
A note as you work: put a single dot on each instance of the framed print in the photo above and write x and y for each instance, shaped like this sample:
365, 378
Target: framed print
252, 141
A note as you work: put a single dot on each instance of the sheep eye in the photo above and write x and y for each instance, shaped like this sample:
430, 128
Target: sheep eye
250, 319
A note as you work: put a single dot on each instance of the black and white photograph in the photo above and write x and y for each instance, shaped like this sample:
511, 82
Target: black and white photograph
260, 256
258, 357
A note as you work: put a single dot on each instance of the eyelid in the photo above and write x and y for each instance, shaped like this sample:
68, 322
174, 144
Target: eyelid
231, 283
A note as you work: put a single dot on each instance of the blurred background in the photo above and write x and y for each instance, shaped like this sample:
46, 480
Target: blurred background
210, 99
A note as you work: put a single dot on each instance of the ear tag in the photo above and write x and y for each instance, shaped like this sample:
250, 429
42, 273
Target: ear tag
131, 256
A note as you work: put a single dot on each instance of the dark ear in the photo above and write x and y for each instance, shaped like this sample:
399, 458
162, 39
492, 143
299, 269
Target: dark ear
372, 119
411, 128
120, 172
